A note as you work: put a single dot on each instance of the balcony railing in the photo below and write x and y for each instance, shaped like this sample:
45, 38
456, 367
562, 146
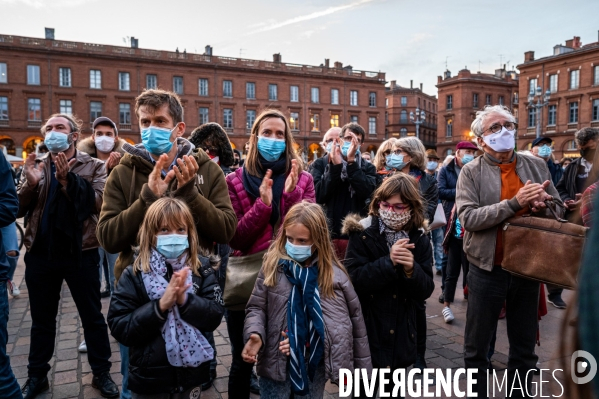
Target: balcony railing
3, 122
124, 126
36, 124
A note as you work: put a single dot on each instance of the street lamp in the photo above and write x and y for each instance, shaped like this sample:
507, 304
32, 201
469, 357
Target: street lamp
538, 105
417, 118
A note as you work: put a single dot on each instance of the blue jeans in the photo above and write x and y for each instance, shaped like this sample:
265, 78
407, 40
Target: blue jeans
125, 392
11, 243
438, 247
9, 387
282, 389
108, 273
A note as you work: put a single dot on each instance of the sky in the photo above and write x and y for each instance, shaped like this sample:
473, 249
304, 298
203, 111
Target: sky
406, 39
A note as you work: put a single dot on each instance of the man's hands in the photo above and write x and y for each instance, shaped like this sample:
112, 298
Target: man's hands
32, 173
573, 204
400, 254
113, 160
62, 167
175, 291
266, 188
353, 148
335, 156
184, 171
251, 349
533, 195
292, 178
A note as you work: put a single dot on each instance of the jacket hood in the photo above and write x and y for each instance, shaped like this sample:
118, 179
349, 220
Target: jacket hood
89, 147
139, 157
354, 223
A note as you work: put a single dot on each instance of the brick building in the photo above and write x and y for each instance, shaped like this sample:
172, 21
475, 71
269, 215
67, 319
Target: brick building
400, 101
571, 74
462, 95
39, 77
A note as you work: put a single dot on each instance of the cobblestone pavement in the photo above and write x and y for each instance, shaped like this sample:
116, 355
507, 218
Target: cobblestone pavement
70, 376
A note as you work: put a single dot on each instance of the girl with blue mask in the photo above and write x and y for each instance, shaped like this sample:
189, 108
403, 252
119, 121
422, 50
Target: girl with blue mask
304, 298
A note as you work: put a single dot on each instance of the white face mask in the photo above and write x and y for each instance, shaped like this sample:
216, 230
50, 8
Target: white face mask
502, 141
104, 143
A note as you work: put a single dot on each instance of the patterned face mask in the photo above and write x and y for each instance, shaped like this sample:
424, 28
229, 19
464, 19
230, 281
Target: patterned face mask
393, 220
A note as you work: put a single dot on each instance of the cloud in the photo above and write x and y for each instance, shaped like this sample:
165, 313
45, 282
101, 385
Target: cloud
48, 3
418, 38
317, 14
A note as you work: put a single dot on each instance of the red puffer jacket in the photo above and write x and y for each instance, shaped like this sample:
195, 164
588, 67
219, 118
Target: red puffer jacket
254, 233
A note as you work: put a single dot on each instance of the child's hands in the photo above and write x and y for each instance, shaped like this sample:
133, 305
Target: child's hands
170, 294
284, 344
182, 290
251, 348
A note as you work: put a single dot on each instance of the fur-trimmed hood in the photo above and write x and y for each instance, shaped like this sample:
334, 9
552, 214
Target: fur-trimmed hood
354, 223
213, 134
89, 147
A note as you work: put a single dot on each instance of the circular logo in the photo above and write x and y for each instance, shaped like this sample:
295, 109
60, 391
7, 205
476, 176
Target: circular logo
195, 393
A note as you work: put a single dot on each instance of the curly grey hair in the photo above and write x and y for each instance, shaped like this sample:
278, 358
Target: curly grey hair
586, 134
414, 147
477, 123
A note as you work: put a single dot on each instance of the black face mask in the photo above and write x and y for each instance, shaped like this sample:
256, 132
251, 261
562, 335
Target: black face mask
587, 153
236, 162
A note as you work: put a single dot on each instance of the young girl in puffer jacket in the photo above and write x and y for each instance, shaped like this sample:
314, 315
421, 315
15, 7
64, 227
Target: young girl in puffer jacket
163, 302
303, 305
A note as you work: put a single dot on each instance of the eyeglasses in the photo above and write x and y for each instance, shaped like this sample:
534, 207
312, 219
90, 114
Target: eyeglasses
394, 207
496, 127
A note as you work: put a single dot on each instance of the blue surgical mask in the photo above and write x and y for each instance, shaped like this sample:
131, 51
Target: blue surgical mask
345, 148
299, 253
432, 165
467, 158
172, 245
157, 140
57, 141
395, 161
544, 151
270, 149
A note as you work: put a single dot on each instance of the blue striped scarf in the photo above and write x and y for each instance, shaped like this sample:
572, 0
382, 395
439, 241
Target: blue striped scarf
305, 324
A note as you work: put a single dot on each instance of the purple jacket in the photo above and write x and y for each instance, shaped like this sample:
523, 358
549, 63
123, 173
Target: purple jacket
254, 233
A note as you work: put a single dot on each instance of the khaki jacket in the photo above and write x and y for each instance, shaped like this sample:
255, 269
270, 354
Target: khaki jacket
32, 200
480, 209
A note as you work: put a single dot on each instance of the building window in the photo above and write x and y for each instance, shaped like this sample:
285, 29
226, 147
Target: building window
66, 107
404, 101
474, 100
3, 108
294, 94
532, 117
488, 99
3, 73
334, 120
574, 79
33, 74
449, 128
449, 151
272, 92
203, 115
553, 83
403, 116
500, 100
250, 91
334, 96
124, 81
573, 112
371, 125
372, 99
178, 84
227, 88
64, 77
315, 95
34, 108
203, 87
151, 81
403, 132
596, 109
353, 119
532, 85
595, 75
353, 97
95, 79
314, 122
551, 114
250, 118
124, 114
449, 103
294, 122
95, 110
228, 118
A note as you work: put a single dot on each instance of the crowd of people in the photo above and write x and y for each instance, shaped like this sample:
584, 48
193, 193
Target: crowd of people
344, 248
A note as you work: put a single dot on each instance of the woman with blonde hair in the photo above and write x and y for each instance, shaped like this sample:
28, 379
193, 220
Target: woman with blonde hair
380, 159
303, 298
270, 182
163, 302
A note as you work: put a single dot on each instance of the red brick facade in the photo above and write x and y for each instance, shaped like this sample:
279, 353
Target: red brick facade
572, 76
343, 93
461, 96
400, 102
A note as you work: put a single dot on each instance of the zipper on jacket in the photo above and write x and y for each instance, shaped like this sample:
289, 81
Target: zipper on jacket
327, 337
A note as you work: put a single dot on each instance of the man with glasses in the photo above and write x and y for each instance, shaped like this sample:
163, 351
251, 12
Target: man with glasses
521, 183
343, 181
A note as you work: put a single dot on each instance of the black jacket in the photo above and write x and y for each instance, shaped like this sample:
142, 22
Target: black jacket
334, 194
387, 296
567, 187
429, 190
448, 179
136, 322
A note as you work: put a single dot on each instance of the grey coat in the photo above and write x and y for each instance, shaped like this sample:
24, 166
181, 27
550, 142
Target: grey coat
346, 343
480, 209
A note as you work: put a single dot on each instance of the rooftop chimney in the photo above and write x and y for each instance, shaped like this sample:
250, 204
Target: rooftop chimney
420, 86
338, 64
50, 33
208, 50
134, 42
411, 84
326, 62
393, 83
276, 57
439, 79
529, 56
